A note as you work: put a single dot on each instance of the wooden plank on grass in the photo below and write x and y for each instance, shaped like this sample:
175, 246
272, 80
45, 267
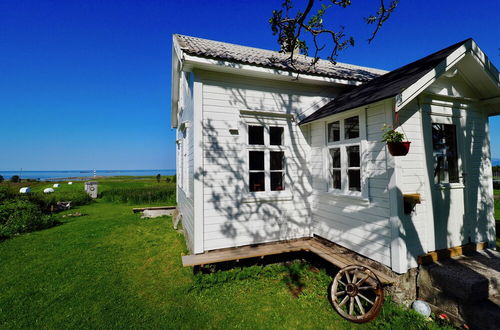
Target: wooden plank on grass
140, 209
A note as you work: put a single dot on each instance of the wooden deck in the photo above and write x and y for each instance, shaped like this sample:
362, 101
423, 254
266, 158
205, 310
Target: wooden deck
329, 253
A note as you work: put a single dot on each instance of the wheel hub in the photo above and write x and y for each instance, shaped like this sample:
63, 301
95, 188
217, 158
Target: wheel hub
352, 289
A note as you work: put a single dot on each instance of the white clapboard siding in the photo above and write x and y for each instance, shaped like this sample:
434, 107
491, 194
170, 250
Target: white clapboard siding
413, 178
479, 175
185, 194
185, 206
371, 248
363, 227
229, 220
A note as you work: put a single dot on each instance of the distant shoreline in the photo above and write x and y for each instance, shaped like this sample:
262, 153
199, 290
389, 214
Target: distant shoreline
84, 178
82, 174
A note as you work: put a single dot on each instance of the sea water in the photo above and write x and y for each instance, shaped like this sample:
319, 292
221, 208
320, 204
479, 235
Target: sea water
83, 174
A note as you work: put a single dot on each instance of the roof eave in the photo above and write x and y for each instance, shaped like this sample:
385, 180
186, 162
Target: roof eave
198, 62
306, 121
407, 95
177, 60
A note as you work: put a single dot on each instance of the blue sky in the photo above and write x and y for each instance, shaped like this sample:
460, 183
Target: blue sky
86, 84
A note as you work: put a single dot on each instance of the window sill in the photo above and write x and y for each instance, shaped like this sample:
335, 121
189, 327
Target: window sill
353, 198
267, 197
446, 186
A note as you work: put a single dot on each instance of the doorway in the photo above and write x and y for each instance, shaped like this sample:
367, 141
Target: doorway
448, 181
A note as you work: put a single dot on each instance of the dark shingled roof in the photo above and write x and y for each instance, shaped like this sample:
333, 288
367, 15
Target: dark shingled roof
272, 59
383, 87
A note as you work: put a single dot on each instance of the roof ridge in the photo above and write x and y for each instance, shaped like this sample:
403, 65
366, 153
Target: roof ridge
431, 55
274, 52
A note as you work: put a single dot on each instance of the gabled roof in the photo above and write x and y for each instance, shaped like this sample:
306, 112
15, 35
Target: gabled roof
383, 87
272, 59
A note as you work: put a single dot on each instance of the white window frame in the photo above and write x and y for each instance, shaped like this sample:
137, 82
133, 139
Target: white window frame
343, 143
179, 171
185, 161
267, 120
453, 120
183, 141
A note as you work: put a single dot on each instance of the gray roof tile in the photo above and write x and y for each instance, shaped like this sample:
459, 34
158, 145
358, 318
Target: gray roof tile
272, 59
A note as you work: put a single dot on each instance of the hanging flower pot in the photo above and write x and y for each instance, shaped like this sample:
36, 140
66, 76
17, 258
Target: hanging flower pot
399, 148
395, 143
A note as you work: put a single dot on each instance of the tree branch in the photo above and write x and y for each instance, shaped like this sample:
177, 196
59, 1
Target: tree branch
289, 28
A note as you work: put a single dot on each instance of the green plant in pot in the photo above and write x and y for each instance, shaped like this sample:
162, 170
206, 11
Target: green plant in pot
394, 140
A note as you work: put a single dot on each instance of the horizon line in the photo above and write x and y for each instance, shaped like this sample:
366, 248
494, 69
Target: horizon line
90, 170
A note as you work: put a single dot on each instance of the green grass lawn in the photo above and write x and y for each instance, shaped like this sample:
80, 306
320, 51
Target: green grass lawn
104, 184
111, 269
497, 213
497, 204
143, 188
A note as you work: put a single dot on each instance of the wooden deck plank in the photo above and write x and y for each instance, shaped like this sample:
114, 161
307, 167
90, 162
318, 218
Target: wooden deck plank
244, 252
328, 256
328, 253
341, 260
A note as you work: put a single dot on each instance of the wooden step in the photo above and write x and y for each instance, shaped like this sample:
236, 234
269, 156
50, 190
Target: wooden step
440, 255
342, 259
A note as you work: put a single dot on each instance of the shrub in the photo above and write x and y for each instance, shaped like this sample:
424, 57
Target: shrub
158, 177
6, 193
1, 178
170, 179
153, 194
77, 198
15, 178
21, 216
46, 201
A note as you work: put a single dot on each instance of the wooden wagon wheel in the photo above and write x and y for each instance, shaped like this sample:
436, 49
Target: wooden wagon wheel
357, 294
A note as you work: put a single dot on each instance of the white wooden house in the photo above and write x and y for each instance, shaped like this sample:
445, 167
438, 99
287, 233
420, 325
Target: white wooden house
267, 153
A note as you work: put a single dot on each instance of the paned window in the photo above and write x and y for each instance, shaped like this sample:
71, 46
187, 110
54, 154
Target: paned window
353, 168
343, 140
277, 168
336, 168
444, 146
351, 128
334, 131
266, 158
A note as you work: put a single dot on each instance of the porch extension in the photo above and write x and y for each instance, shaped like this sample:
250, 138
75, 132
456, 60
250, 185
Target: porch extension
330, 252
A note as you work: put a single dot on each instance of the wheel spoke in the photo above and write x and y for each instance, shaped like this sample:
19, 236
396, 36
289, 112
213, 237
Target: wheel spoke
367, 287
368, 300
348, 277
363, 280
343, 301
342, 283
361, 309
351, 305
339, 293
354, 278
